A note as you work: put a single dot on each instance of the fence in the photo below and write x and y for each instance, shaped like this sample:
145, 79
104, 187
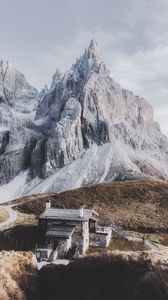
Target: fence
7, 226
117, 232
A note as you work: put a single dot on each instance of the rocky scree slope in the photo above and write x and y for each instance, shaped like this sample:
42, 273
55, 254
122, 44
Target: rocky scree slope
87, 129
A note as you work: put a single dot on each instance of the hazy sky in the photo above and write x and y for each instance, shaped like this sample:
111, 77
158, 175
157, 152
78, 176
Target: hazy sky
38, 36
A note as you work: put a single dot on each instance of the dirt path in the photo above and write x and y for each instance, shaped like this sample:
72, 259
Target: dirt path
12, 217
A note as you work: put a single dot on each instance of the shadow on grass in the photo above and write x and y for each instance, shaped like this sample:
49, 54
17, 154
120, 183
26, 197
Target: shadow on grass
107, 278
20, 238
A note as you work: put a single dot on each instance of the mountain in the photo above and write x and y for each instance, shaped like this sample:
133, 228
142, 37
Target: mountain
14, 88
86, 130
18, 103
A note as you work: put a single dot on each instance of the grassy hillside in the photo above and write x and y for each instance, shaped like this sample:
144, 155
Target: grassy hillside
17, 274
118, 276
132, 204
3, 215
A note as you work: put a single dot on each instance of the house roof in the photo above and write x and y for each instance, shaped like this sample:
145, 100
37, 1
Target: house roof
69, 214
60, 231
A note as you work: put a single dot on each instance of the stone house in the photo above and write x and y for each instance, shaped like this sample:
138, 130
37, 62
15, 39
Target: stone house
68, 229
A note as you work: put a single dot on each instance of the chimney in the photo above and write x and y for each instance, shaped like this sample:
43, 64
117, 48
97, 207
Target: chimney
48, 204
81, 211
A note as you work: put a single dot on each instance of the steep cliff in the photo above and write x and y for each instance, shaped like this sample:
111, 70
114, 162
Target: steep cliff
87, 129
86, 109
18, 102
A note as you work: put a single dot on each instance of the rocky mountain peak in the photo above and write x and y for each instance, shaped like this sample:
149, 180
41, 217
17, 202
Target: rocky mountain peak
14, 86
93, 52
56, 78
87, 130
89, 62
94, 46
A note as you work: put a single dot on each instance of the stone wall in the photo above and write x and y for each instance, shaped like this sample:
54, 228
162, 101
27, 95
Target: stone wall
77, 240
85, 235
63, 246
100, 239
118, 235
80, 238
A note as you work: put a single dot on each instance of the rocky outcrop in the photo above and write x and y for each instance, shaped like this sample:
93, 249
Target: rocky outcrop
14, 89
66, 141
18, 100
4, 140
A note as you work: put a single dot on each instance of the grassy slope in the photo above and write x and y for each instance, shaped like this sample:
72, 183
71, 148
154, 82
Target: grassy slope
118, 276
120, 245
3, 215
17, 275
131, 204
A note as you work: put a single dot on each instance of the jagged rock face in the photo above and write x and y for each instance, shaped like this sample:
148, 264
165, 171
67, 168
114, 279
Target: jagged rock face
100, 112
18, 100
86, 130
4, 140
66, 140
14, 89
17, 139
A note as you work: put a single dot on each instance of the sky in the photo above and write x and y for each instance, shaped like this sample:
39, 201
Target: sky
40, 36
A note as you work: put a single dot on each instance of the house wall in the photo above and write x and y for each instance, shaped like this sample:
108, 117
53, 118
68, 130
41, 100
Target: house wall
85, 235
80, 237
63, 246
100, 240
42, 225
77, 241
118, 235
